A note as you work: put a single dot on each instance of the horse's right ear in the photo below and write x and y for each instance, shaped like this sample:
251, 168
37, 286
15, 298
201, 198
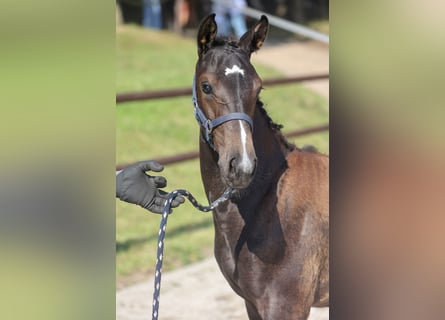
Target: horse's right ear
206, 34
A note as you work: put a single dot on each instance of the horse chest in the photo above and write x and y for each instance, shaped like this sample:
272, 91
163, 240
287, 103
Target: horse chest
246, 251
237, 264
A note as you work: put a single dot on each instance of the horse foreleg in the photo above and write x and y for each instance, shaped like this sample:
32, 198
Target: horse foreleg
275, 309
252, 311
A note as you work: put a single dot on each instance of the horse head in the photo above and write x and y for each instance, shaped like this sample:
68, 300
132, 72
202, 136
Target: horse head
226, 89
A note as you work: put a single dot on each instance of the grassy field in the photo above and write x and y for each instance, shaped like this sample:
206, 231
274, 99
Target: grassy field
148, 59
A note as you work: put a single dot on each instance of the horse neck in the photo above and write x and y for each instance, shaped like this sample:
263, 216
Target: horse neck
271, 150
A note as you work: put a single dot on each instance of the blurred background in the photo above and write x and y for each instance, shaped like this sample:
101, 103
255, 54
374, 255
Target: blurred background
59, 83
185, 15
154, 56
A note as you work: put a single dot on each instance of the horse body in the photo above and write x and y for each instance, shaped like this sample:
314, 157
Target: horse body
271, 239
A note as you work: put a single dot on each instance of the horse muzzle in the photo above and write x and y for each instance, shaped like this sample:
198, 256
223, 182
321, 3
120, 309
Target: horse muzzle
239, 171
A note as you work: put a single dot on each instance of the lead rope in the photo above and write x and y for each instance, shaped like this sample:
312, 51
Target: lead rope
161, 235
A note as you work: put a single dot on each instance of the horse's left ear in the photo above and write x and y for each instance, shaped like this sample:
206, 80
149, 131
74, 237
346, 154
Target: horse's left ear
253, 39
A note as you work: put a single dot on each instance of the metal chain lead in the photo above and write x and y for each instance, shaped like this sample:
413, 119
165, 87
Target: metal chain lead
161, 236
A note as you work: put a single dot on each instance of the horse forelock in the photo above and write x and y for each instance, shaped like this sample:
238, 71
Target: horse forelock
227, 45
225, 41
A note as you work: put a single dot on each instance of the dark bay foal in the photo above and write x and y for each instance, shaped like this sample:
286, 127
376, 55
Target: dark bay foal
272, 238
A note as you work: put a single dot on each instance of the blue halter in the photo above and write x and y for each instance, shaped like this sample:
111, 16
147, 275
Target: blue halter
208, 124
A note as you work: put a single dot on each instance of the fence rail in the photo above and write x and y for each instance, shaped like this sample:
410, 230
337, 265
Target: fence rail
185, 91
279, 22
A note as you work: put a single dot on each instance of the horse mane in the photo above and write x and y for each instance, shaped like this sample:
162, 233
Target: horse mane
275, 127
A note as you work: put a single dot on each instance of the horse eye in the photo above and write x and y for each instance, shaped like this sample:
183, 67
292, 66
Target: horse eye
206, 88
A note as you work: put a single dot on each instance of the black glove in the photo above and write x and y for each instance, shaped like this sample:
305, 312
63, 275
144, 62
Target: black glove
135, 186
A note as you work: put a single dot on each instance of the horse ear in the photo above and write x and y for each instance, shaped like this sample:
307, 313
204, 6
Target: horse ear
206, 33
253, 39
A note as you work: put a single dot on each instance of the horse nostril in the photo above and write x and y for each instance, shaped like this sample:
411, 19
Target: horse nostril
232, 164
254, 167
238, 167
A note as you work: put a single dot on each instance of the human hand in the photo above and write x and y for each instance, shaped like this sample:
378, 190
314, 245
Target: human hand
133, 185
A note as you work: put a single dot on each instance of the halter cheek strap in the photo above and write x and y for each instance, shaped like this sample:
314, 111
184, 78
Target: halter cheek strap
208, 124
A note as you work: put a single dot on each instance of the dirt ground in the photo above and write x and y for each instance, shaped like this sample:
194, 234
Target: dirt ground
199, 291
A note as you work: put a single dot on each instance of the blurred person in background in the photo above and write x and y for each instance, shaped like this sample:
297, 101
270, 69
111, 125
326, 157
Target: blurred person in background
152, 14
229, 16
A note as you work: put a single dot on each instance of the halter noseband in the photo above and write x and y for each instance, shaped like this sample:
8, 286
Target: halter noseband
208, 124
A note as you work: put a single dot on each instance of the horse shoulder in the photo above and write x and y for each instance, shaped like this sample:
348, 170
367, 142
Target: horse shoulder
304, 186
304, 213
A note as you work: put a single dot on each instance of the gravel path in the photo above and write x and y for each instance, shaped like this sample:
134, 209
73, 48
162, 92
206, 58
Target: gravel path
199, 291
298, 58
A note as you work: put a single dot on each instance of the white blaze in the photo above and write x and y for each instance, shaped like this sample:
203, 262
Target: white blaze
234, 69
246, 164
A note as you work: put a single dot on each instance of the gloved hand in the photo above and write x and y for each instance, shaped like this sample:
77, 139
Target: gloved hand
135, 186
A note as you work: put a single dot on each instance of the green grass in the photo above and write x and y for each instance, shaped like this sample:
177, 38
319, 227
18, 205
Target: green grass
148, 60
320, 25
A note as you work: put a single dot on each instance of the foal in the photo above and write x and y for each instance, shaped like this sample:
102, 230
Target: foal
272, 238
